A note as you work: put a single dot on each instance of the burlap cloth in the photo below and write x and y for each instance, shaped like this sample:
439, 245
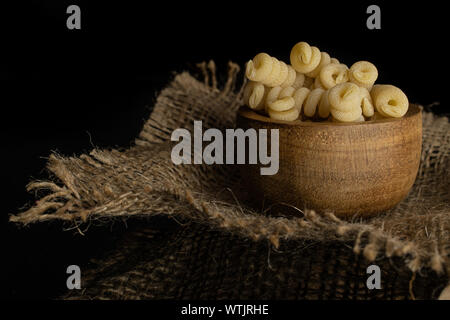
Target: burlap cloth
221, 248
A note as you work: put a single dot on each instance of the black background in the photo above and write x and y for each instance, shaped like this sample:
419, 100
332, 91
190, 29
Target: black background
68, 90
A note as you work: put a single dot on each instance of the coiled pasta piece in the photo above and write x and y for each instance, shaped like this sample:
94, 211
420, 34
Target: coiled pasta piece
255, 95
324, 60
285, 103
333, 74
303, 98
345, 102
304, 58
363, 73
280, 99
366, 102
334, 60
309, 60
270, 71
389, 100
259, 68
312, 102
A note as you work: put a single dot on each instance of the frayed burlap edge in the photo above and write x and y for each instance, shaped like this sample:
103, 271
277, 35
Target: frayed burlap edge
142, 181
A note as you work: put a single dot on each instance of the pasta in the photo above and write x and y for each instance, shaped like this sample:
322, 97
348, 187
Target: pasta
284, 100
350, 116
360, 119
285, 103
270, 71
345, 102
259, 68
366, 102
324, 60
334, 60
291, 77
312, 102
299, 81
317, 84
363, 73
272, 96
280, 105
254, 95
288, 115
333, 74
324, 105
345, 96
304, 58
389, 100
320, 85
309, 82
300, 96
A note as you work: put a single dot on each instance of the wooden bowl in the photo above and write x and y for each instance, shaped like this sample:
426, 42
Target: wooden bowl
347, 168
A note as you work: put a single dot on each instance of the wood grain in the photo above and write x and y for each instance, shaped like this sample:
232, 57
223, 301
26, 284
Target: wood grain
349, 169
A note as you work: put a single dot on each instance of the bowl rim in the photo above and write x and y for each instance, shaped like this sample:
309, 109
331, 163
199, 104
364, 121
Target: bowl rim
246, 112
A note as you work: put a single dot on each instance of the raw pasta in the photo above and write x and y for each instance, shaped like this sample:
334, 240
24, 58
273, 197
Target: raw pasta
270, 71
283, 99
389, 100
360, 119
324, 60
324, 105
349, 116
300, 96
304, 58
299, 81
366, 102
309, 82
345, 96
363, 73
259, 68
320, 85
254, 95
289, 115
312, 102
280, 105
345, 102
333, 74
334, 60
285, 103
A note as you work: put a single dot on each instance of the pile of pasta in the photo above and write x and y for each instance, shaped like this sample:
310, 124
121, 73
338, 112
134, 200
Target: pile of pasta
317, 87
